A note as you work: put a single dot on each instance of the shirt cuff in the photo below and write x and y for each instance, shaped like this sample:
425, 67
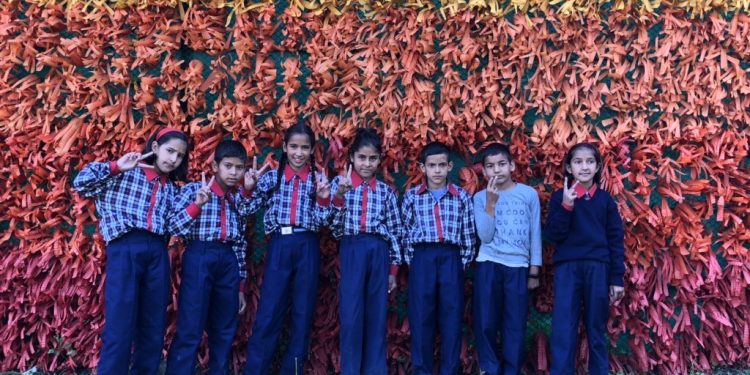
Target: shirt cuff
394, 269
113, 169
338, 202
193, 210
567, 207
242, 285
246, 193
324, 202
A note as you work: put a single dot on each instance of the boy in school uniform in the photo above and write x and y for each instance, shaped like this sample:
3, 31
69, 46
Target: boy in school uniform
509, 228
439, 243
211, 216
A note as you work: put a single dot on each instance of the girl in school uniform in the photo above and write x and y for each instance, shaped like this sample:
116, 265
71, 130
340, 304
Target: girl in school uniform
586, 229
366, 218
296, 199
133, 198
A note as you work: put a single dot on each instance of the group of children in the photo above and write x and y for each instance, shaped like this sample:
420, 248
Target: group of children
434, 230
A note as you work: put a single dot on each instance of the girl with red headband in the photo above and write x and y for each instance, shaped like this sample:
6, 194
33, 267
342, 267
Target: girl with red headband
133, 197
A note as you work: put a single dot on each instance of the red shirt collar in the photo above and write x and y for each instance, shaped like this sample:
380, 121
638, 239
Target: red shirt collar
216, 188
581, 190
289, 173
152, 174
451, 188
358, 180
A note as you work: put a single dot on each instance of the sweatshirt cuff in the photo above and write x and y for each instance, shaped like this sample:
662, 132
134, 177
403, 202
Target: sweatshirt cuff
616, 280
567, 207
113, 169
394, 269
338, 202
193, 210
324, 202
242, 285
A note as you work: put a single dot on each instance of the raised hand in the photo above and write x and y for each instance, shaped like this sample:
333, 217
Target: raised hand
323, 186
569, 193
204, 193
345, 184
132, 160
252, 175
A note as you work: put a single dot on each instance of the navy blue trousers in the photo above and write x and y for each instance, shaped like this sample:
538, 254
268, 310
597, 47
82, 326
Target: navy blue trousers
500, 304
436, 293
580, 282
363, 304
290, 281
136, 291
209, 299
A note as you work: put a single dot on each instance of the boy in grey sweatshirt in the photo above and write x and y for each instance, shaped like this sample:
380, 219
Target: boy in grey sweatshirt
509, 226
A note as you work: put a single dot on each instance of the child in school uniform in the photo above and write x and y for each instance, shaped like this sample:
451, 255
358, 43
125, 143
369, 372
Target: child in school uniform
133, 198
585, 226
439, 243
211, 216
366, 218
297, 200
510, 230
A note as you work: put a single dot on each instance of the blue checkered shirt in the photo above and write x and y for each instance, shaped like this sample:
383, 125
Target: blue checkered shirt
449, 220
223, 218
382, 213
128, 200
308, 213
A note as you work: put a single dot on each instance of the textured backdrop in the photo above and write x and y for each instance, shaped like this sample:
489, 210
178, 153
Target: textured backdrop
665, 95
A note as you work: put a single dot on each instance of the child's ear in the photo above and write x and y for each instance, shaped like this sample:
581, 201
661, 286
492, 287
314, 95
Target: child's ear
567, 169
512, 166
215, 167
283, 147
450, 166
154, 147
422, 168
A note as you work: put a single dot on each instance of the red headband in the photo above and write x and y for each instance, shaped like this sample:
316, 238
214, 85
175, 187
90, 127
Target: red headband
165, 131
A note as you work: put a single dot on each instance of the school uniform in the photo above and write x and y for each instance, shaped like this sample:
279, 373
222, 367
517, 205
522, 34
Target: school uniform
213, 272
588, 258
511, 240
367, 222
292, 219
133, 208
439, 243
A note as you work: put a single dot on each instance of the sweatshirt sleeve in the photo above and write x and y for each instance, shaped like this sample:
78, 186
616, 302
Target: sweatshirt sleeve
536, 228
485, 222
558, 220
615, 239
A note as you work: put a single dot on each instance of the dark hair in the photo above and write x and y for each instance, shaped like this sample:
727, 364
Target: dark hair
366, 137
597, 157
180, 173
493, 149
303, 129
229, 148
434, 148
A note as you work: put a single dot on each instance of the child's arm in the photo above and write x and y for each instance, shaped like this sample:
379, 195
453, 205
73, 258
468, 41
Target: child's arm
240, 251
338, 210
468, 226
536, 231
615, 238
95, 178
559, 219
485, 222
393, 224
407, 217
184, 211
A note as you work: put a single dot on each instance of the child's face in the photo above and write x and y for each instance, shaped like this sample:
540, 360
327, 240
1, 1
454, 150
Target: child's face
366, 161
436, 168
583, 166
169, 155
229, 171
498, 166
298, 151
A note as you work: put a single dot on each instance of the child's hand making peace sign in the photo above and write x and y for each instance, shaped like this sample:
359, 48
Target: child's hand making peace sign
252, 175
345, 184
204, 193
569, 193
132, 160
